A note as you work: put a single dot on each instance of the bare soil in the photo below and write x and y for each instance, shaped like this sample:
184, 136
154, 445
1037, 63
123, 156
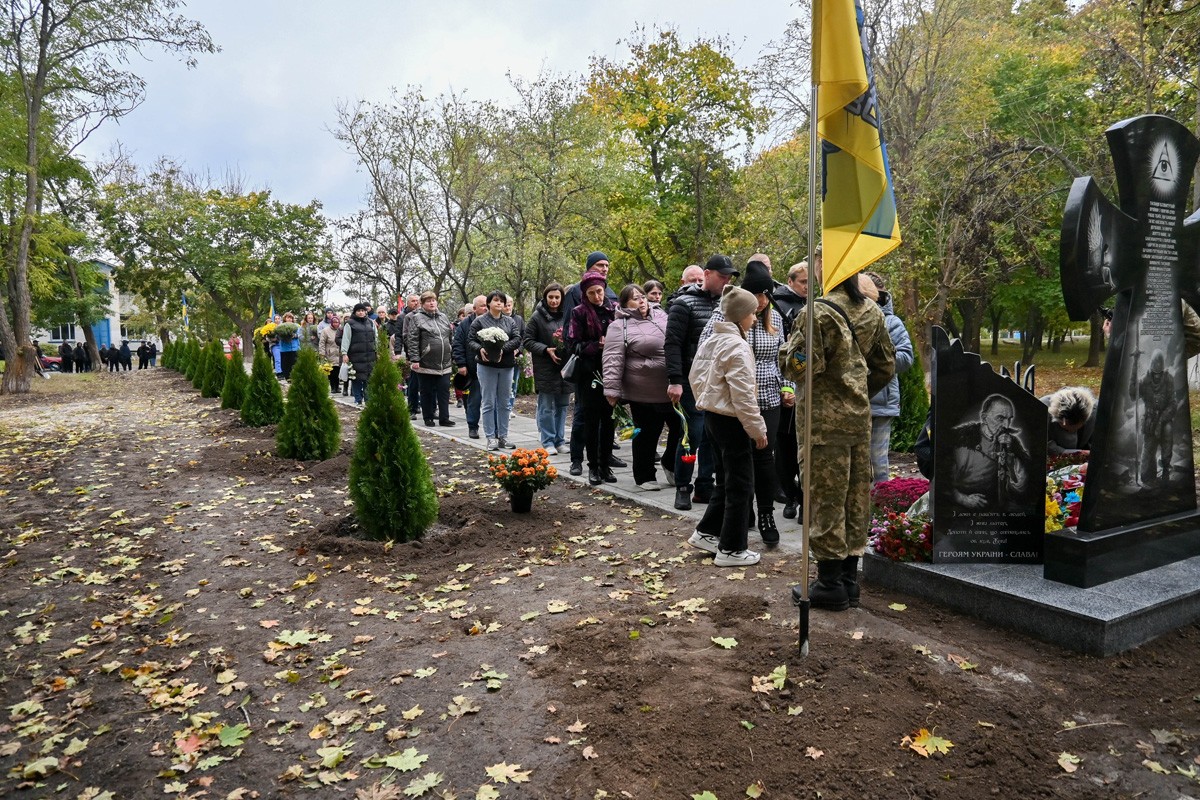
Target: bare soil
186, 615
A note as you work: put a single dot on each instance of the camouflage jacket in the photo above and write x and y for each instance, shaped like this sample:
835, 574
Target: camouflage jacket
845, 359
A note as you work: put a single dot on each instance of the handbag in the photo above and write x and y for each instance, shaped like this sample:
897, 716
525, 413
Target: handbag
568, 370
344, 373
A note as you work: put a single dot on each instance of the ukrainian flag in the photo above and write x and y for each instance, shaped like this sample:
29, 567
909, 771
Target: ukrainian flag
271, 316
858, 209
185, 310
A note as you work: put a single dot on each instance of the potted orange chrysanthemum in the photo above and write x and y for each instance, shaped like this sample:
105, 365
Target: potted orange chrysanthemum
521, 473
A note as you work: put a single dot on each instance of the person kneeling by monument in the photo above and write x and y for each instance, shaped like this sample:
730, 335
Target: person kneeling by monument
1072, 420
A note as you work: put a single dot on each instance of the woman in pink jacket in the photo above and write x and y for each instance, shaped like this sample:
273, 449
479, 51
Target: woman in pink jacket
725, 388
635, 371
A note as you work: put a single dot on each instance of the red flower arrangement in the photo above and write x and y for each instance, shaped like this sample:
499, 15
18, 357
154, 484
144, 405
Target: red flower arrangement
902, 538
898, 494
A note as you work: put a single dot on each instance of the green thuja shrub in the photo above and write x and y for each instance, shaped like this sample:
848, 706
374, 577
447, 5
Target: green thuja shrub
914, 406
214, 370
390, 480
310, 429
233, 390
205, 353
164, 356
193, 360
264, 399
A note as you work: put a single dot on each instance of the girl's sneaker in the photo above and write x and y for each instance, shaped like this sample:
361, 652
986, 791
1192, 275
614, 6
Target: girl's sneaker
704, 541
738, 558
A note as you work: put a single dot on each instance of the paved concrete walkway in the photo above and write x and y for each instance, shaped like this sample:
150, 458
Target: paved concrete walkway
522, 431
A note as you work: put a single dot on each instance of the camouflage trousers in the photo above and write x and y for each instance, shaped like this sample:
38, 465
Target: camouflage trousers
840, 503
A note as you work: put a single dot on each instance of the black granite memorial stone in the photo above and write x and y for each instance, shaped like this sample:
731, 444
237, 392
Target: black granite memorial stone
989, 447
1139, 500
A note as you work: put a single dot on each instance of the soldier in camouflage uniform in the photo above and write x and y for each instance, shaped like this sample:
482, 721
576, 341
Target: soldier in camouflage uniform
852, 359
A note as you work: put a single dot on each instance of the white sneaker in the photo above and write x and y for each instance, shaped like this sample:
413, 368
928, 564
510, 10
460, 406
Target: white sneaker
705, 542
738, 558
650, 486
551, 450
492, 444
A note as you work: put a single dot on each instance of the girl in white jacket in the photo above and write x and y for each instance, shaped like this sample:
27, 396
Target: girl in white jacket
723, 383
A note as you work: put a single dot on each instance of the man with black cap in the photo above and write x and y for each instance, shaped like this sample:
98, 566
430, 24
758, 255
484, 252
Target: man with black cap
595, 262
686, 318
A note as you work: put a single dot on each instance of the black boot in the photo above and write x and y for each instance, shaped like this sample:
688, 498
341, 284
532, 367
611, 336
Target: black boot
766, 527
683, 498
850, 579
829, 592
790, 509
594, 477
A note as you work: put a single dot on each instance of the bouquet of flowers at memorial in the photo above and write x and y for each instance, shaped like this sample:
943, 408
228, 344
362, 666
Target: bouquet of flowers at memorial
1056, 461
286, 331
685, 444
623, 423
898, 494
1064, 494
493, 336
522, 469
901, 537
325, 368
524, 373
264, 331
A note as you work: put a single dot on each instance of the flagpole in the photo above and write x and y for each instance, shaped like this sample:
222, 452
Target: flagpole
814, 285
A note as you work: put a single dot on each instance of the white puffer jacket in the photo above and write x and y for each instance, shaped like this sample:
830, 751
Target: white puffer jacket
722, 378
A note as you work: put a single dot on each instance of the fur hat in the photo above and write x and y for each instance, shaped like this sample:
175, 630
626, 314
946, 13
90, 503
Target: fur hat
591, 279
737, 304
757, 278
593, 257
1073, 405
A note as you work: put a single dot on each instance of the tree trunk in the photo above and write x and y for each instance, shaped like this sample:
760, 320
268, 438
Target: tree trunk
1095, 340
996, 316
970, 327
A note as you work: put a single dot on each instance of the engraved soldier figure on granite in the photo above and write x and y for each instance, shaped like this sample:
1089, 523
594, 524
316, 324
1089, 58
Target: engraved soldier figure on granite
1156, 390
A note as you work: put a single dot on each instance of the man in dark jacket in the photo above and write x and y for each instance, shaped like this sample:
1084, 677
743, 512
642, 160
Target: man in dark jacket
790, 299
596, 262
126, 356
464, 362
688, 314
82, 364
66, 357
143, 355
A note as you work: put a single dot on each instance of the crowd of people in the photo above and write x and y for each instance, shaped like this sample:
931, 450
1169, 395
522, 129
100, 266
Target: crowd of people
116, 358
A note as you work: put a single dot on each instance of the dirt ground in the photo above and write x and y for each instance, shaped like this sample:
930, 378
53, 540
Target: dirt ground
186, 615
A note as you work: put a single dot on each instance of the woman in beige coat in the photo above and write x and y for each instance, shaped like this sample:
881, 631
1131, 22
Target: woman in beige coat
329, 348
725, 388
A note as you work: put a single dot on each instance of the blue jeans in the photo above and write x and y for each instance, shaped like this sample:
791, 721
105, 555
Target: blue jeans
512, 397
705, 464
495, 384
552, 418
358, 388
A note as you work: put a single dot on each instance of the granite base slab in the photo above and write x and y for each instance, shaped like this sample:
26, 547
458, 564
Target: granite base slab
1102, 620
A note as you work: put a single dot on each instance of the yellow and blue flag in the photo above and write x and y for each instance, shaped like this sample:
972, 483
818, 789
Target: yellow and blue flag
185, 314
858, 208
271, 317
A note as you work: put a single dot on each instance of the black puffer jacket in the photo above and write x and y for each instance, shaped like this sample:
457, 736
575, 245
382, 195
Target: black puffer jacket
789, 305
358, 342
539, 335
688, 314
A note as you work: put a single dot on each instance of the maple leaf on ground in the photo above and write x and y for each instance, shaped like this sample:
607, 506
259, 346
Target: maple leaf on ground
377, 791
813, 753
577, 726
924, 743
487, 792
1068, 761
724, 642
462, 705
589, 753
505, 773
423, 784
407, 761
755, 790
234, 735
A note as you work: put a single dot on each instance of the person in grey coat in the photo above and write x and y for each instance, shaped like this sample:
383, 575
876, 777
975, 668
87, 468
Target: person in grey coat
885, 406
545, 340
428, 345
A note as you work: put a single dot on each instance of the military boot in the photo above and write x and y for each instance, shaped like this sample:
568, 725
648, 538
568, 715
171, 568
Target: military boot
850, 579
829, 592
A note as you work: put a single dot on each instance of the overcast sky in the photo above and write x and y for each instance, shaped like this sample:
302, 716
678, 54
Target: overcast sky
263, 106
